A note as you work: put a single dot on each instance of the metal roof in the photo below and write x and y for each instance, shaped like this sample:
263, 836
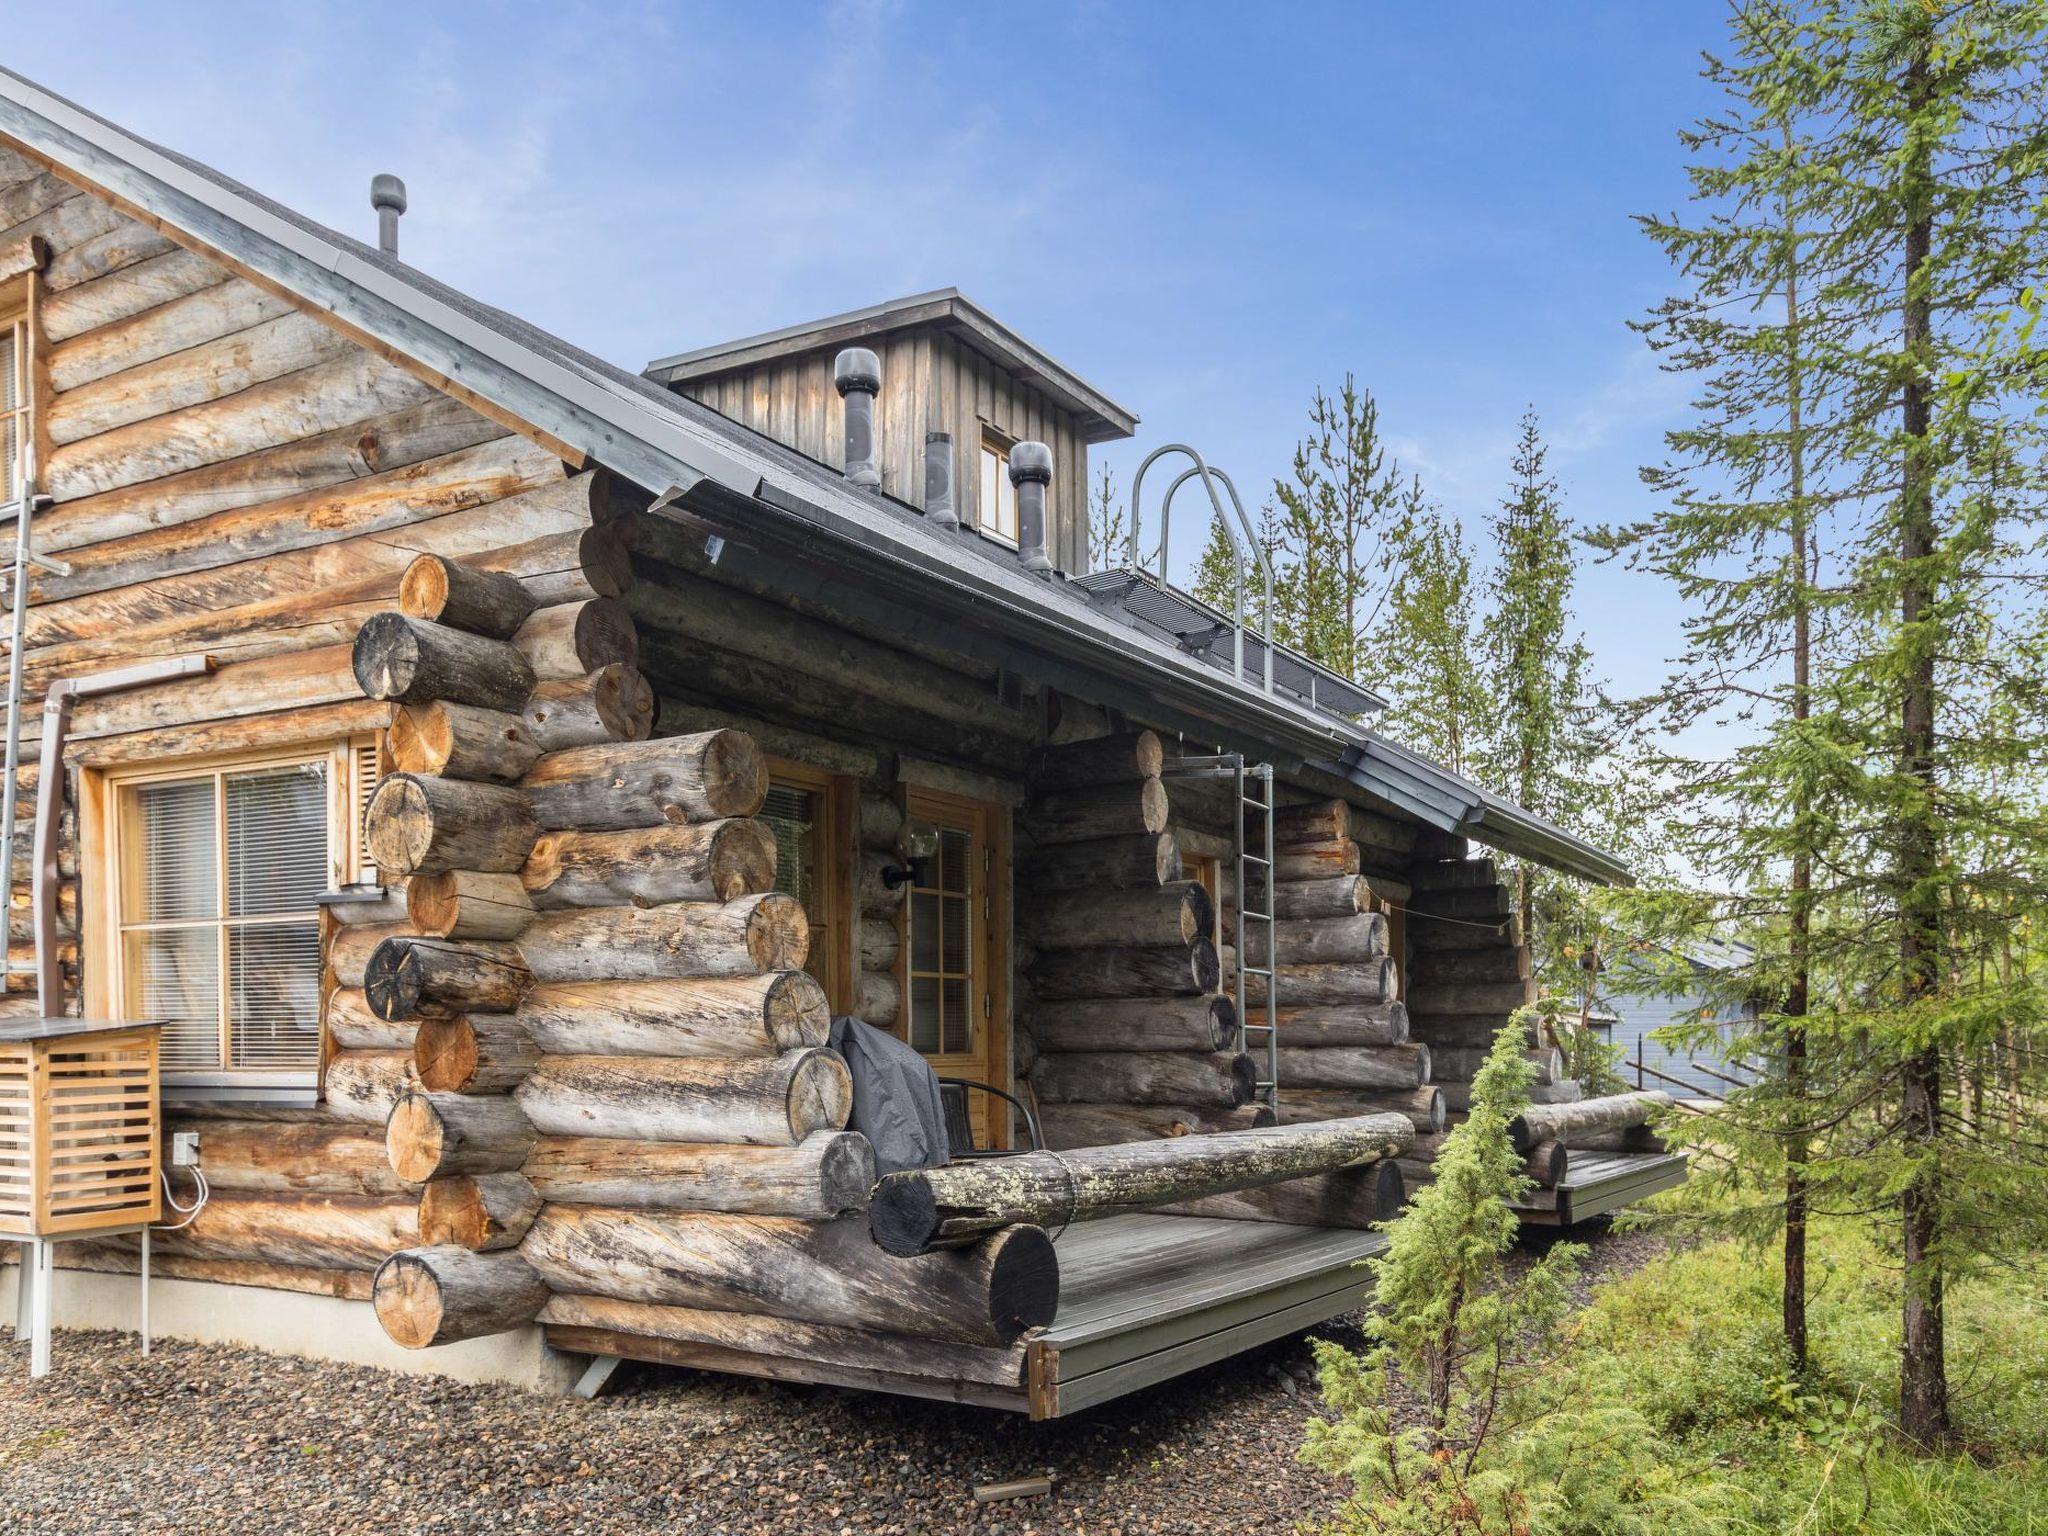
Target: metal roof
700, 465
1202, 631
1100, 418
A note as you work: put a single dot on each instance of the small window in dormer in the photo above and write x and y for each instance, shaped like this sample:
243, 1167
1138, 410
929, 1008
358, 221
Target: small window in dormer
996, 513
14, 398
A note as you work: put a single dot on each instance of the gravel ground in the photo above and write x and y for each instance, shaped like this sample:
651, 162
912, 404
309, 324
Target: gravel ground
234, 1443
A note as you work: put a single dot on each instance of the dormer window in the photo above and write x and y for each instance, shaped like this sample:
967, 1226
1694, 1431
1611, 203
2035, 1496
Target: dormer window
996, 512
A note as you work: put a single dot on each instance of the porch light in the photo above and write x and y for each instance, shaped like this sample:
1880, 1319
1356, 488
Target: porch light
920, 844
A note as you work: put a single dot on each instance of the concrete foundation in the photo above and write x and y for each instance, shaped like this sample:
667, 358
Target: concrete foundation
290, 1323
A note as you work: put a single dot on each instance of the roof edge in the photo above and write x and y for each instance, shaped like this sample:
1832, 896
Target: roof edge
1103, 419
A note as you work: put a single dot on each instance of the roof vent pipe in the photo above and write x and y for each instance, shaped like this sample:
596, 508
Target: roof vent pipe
1031, 473
387, 196
938, 480
857, 374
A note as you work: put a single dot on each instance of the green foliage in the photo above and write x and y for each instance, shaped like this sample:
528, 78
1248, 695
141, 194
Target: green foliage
1855, 525
1428, 662
1503, 1443
1108, 525
1690, 1344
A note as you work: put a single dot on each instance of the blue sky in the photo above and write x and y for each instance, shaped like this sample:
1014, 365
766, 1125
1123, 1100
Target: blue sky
1205, 210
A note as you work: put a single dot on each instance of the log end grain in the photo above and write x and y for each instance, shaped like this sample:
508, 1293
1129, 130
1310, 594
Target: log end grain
778, 933
820, 1093
1024, 1281
429, 1296
735, 774
796, 1010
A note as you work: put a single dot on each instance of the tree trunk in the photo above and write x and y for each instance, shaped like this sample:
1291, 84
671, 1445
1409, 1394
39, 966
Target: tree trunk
1102, 760
316, 1230
1325, 941
1098, 811
685, 938
1564, 1122
823, 1272
1121, 862
733, 1016
1317, 862
827, 1174
645, 866
364, 1085
472, 1053
436, 1135
458, 596
1200, 1024
1373, 1067
613, 703
1308, 986
353, 1026
421, 825
1337, 896
1146, 1077
1106, 1125
429, 1296
463, 904
412, 662
460, 741
1350, 1199
293, 1157
409, 978
614, 786
481, 1212
915, 1212
575, 639
1424, 1106
1169, 970
1344, 1024
775, 1101
1177, 913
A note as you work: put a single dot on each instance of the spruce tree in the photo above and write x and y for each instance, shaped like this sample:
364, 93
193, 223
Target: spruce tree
1108, 526
1865, 287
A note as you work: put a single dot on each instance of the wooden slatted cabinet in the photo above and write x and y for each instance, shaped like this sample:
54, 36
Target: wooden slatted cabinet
79, 1144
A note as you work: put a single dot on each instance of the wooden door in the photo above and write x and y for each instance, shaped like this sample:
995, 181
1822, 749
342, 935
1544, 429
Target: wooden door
955, 955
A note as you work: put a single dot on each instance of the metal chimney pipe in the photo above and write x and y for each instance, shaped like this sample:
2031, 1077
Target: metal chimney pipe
387, 196
1031, 473
857, 375
939, 505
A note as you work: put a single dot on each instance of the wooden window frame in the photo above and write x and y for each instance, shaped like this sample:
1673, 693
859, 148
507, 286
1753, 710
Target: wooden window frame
838, 825
102, 847
985, 523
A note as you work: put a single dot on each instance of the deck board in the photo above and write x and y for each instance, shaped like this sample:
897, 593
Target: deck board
1600, 1182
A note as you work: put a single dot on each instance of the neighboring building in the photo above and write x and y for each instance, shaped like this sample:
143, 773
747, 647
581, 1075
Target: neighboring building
1638, 997
497, 769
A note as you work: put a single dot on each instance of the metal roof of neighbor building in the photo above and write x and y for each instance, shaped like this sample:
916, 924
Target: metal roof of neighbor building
871, 548
1099, 418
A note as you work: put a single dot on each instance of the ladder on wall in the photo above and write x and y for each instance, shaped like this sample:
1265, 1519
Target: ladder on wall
1253, 879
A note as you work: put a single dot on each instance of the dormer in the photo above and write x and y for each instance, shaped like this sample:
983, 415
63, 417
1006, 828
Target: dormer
947, 366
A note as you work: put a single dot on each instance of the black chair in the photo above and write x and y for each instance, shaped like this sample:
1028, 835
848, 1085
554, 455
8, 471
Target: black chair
960, 1124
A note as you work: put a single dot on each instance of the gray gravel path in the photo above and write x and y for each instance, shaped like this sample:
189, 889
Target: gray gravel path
201, 1439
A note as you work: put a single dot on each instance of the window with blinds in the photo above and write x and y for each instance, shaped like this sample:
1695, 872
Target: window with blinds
14, 399
219, 875
799, 816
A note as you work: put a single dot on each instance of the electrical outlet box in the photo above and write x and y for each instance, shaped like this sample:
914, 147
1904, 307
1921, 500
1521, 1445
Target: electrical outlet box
184, 1149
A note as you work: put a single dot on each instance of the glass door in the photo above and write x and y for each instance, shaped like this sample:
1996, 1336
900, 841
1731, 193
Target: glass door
955, 991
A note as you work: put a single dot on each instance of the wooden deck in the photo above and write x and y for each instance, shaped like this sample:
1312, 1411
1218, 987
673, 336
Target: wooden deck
1143, 1298
1600, 1182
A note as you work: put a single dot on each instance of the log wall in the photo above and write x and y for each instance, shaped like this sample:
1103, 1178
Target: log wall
232, 477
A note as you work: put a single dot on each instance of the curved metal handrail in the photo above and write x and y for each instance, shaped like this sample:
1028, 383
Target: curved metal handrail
1208, 475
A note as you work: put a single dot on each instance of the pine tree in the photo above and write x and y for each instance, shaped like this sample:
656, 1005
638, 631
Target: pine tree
1428, 647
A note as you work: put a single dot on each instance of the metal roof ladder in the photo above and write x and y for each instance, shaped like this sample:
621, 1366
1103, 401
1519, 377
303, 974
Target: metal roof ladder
1252, 790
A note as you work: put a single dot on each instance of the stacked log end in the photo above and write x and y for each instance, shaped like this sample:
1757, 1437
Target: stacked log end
1123, 1007
879, 994
618, 1090
1345, 1042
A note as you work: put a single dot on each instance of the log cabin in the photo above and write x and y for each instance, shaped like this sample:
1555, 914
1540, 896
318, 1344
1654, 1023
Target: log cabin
496, 770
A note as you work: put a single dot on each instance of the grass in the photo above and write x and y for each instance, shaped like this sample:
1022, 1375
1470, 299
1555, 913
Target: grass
1691, 1343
